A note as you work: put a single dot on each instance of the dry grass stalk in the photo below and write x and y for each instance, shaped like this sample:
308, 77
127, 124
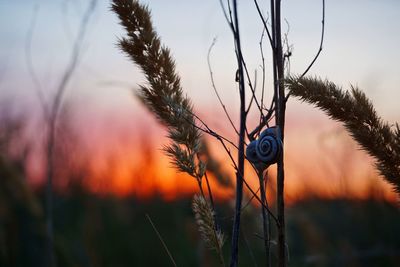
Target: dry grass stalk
360, 118
164, 97
163, 93
204, 215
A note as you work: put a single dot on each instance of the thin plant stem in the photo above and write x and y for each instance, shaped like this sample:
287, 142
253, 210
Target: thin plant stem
252, 88
216, 227
51, 135
260, 201
320, 43
263, 71
161, 240
280, 121
319, 49
246, 242
241, 157
30, 65
266, 226
228, 19
215, 88
210, 193
253, 95
264, 21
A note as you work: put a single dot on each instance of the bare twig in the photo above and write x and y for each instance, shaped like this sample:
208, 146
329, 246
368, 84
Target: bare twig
321, 41
214, 86
280, 121
209, 131
264, 21
240, 171
228, 19
209, 192
263, 71
288, 48
253, 96
252, 88
233, 25
260, 201
265, 120
265, 217
250, 200
319, 49
245, 206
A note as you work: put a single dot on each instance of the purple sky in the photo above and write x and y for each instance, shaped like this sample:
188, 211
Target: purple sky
361, 46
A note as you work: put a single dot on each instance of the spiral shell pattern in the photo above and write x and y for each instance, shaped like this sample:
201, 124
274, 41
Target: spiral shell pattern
267, 148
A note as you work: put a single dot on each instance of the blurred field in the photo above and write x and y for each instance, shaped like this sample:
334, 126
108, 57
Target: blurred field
110, 231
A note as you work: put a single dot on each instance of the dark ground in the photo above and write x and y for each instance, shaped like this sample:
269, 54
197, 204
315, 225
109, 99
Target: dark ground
108, 231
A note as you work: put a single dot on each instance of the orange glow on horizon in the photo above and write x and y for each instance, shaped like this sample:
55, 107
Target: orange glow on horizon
147, 180
157, 177
323, 163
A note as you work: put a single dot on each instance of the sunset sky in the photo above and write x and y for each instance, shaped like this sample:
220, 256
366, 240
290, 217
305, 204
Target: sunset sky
361, 47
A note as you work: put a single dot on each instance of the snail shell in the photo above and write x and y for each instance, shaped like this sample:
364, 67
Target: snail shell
269, 146
251, 153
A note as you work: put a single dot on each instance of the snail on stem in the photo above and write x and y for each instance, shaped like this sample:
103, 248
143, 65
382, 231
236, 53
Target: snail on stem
266, 149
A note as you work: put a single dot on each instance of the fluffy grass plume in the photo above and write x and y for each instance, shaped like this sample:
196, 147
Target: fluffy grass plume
204, 215
162, 94
358, 115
